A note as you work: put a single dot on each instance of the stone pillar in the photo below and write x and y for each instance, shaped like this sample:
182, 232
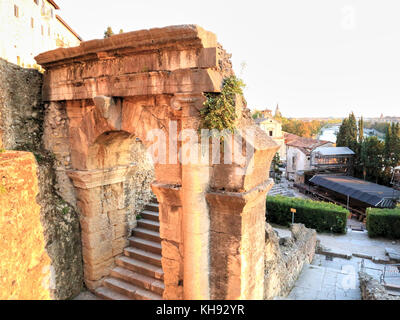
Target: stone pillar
170, 214
196, 220
237, 243
101, 205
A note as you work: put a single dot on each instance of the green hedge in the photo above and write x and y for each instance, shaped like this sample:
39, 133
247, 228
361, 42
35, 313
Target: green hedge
321, 216
383, 223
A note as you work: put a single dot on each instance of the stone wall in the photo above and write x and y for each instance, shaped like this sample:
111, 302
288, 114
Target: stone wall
25, 265
21, 128
371, 289
285, 258
21, 110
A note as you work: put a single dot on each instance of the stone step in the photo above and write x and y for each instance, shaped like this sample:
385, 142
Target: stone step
130, 290
139, 280
150, 215
146, 234
141, 267
393, 287
108, 294
145, 245
148, 257
152, 207
148, 224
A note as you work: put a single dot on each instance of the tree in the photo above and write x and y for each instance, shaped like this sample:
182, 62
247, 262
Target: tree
348, 133
361, 130
391, 150
108, 33
372, 158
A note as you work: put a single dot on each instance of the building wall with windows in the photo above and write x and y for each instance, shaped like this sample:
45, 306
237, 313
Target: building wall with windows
29, 27
273, 129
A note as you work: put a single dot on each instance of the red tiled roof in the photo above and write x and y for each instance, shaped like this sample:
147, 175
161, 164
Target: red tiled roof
306, 145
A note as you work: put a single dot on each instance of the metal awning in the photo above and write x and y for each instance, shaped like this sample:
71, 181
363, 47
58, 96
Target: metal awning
334, 151
364, 191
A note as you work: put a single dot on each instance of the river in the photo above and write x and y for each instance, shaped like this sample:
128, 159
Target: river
329, 133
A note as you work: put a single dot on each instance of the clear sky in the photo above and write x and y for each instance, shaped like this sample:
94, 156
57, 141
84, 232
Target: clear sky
314, 57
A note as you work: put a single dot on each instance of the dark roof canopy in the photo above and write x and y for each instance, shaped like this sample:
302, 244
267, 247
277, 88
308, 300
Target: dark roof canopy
364, 191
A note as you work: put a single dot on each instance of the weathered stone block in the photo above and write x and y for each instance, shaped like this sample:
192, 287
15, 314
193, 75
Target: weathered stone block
98, 271
173, 271
171, 250
119, 231
97, 239
25, 265
118, 246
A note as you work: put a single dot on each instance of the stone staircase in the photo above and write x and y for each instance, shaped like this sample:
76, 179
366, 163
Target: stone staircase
138, 274
277, 189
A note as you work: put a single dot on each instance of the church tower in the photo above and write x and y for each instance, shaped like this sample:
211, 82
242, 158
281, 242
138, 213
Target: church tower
277, 112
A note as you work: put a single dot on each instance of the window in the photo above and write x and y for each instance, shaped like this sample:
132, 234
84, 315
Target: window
18, 60
42, 30
271, 133
16, 11
52, 12
49, 32
32, 23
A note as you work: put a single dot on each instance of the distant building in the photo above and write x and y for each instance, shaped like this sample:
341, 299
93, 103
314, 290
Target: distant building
333, 160
29, 27
396, 178
273, 128
298, 153
267, 113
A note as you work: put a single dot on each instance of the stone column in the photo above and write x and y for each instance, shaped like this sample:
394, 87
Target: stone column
101, 205
237, 243
196, 220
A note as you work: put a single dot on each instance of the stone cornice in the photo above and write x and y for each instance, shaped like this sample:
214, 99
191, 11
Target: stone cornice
88, 179
183, 36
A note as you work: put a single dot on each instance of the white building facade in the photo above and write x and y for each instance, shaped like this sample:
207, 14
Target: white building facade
298, 153
29, 27
273, 129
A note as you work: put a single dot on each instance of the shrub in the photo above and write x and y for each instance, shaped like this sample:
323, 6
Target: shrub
321, 216
383, 223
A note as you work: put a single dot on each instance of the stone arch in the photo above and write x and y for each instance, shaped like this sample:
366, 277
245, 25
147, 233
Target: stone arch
126, 86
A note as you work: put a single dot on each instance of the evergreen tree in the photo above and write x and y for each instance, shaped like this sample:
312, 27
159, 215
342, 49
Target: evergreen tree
372, 158
348, 133
361, 130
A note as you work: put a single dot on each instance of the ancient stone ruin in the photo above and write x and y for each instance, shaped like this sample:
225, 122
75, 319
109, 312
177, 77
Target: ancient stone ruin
105, 97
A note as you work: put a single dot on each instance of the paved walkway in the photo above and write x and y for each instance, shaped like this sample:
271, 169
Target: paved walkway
334, 278
352, 243
327, 280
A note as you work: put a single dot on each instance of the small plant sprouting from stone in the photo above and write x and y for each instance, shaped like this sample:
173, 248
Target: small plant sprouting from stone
2, 150
3, 190
219, 109
65, 210
139, 216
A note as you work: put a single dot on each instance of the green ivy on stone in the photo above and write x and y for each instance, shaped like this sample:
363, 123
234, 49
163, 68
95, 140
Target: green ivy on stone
219, 109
